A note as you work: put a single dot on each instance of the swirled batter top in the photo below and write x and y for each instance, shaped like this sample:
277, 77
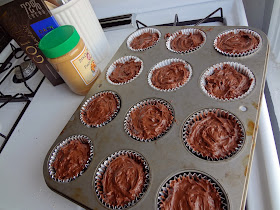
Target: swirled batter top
183, 42
149, 121
71, 159
214, 136
237, 43
100, 109
144, 40
170, 76
122, 181
125, 71
191, 193
227, 83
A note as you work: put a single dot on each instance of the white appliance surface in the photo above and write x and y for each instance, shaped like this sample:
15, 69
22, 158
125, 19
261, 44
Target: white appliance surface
22, 184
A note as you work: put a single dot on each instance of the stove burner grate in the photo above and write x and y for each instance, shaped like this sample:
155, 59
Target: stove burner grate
207, 19
18, 97
24, 71
21, 75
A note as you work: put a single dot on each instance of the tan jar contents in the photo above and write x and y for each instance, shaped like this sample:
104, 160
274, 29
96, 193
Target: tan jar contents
68, 54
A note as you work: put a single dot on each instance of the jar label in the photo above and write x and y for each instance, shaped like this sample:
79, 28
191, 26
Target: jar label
85, 66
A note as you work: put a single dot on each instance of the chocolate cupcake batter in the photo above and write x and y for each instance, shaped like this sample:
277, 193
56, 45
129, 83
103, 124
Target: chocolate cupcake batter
214, 136
149, 121
71, 159
170, 76
145, 40
237, 43
122, 181
191, 193
125, 71
100, 109
227, 83
183, 42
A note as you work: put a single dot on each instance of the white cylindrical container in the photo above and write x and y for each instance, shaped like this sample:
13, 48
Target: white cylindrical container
80, 14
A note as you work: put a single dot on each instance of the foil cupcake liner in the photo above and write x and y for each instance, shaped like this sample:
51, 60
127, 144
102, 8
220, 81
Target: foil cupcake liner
239, 68
83, 109
123, 60
138, 33
163, 191
101, 169
144, 103
235, 31
197, 116
186, 31
83, 139
165, 63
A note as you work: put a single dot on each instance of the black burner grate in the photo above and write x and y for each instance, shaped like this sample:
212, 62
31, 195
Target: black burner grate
20, 98
17, 53
207, 19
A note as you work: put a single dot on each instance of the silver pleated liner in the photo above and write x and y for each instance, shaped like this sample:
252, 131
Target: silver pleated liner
236, 31
166, 63
138, 33
149, 101
186, 31
163, 191
123, 60
190, 121
87, 102
239, 68
83, 139
101, 169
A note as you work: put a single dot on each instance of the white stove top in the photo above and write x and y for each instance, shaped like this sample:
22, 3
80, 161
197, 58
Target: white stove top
21, 162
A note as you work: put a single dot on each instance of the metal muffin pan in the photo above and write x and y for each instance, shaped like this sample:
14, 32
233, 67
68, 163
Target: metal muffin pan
167, 155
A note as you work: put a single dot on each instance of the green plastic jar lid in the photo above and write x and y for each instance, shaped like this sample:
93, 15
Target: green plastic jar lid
59, 41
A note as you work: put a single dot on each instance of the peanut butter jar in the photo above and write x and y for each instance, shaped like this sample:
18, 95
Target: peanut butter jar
67, 52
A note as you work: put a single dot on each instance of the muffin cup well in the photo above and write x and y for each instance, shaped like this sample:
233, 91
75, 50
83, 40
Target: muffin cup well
140, 104
236, 31
138, 33
163, 191
101, 169
123, 60
83, 139
186, 31
84, 108
197, 116
239, 68
165, 63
